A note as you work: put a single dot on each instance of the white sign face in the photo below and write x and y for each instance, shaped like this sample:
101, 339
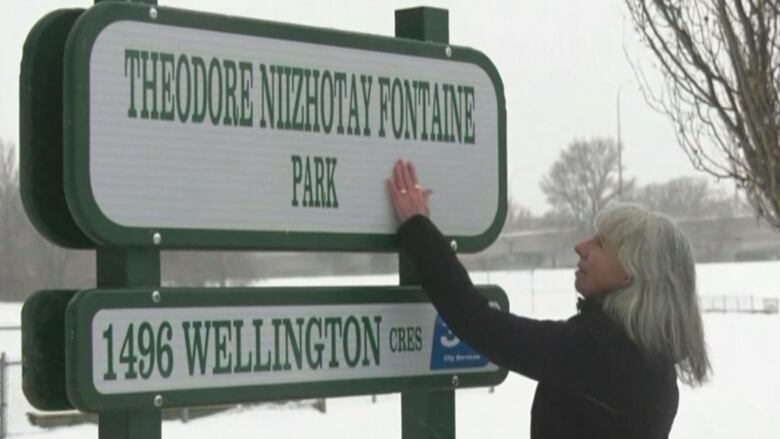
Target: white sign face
141, 350
204, 130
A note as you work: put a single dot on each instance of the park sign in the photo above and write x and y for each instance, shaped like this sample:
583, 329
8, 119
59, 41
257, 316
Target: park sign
191, 130
132, 348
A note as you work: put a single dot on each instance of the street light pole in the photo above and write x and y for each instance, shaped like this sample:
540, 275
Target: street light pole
619, 142
620, 150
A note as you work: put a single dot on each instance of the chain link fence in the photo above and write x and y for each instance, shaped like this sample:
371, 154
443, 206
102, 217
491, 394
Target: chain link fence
739, 304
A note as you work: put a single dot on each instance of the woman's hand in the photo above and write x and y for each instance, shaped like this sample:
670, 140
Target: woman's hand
408, 197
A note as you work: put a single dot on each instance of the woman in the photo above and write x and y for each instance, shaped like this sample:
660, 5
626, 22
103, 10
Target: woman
611, 370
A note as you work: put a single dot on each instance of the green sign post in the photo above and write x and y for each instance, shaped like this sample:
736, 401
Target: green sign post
122, 268
424, 413
146, 128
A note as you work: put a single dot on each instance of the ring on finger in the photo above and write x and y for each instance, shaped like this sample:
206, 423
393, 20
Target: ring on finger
417, 186
402, 191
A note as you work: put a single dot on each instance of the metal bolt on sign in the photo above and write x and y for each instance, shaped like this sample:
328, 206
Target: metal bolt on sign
156, 238
158, 401
153, 13
455, 381
156, 296
454, 245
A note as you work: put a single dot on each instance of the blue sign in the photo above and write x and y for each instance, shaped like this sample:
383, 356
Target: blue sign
448, 352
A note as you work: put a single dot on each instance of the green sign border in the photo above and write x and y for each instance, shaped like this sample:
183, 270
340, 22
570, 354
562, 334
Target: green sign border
102, 230
40, 130
87, 303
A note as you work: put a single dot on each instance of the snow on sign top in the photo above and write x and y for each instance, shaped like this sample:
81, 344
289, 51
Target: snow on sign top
217, 132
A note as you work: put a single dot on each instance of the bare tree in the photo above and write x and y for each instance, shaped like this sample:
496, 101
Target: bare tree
686, 198
9, 174
208, 268
11, 277
27, 261
720, 60
583, 180
518, 217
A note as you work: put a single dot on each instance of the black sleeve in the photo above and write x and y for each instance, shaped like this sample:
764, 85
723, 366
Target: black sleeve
549, 351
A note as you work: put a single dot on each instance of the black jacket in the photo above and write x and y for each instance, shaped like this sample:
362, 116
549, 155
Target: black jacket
593, 380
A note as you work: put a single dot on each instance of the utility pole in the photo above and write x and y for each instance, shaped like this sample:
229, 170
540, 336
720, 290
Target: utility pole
620, 142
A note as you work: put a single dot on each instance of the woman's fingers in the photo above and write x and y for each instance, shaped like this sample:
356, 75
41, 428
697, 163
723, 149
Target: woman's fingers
414, 187
427, 194
413, 175
392, 192
409, 181
398, 179
405, 193
399, 199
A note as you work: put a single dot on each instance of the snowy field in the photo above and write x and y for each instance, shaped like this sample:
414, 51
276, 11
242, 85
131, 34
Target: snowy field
742, 400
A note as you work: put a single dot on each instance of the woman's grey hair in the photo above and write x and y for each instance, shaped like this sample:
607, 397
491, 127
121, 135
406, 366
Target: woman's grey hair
659, 309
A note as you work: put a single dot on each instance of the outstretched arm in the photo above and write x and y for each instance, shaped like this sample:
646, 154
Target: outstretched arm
551, 351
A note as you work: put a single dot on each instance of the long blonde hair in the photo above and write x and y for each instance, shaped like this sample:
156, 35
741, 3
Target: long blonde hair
659, 310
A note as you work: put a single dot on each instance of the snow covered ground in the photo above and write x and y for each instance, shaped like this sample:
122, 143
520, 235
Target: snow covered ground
742, 400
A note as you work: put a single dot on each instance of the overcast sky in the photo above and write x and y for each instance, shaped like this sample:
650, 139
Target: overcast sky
562, 63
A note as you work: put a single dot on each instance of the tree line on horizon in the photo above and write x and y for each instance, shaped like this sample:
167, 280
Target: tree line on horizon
585, 179
582, 181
